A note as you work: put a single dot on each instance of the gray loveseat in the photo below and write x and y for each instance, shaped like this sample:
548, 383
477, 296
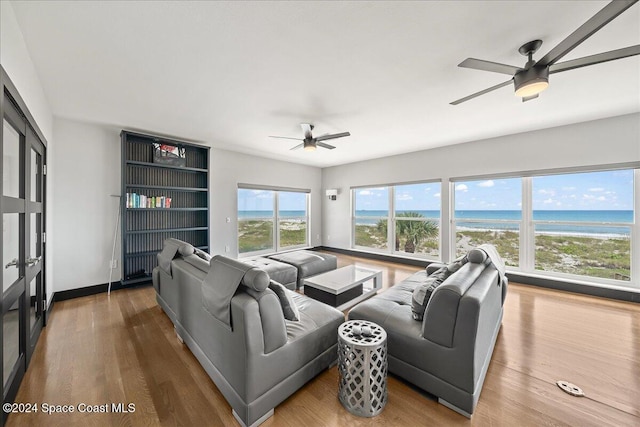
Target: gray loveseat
235, 326
447, 353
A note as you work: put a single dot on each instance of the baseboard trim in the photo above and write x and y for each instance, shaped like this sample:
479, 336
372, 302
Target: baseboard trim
378, 257
593, 290
584, 289
93, 290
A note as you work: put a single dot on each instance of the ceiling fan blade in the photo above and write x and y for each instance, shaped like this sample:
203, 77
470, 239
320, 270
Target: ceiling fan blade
285, 137
334, 136
480, 64
595, 59
323, 145
482, 92
297, 146
529, 98
586, 30
306, 128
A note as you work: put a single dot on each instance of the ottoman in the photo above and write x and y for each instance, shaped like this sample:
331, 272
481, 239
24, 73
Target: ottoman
285, 274
308, 263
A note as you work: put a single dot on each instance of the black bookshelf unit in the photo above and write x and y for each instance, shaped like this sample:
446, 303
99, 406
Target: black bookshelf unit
170, 201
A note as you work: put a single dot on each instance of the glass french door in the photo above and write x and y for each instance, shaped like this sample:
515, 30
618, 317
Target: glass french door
22, 248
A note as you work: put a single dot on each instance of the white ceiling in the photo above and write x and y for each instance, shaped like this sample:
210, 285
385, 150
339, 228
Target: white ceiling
229, 74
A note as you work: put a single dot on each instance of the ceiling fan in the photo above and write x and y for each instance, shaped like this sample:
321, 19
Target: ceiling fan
310, 143
533, 78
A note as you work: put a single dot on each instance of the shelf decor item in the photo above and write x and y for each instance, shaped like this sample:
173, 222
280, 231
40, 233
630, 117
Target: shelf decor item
162, 199
166, 154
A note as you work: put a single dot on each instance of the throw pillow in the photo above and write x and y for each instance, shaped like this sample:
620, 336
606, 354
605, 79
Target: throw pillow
422, 293
455, 265
289, 308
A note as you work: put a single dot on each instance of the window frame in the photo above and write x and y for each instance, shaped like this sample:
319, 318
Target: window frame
392, 220
521, 222
275, 219
527, 228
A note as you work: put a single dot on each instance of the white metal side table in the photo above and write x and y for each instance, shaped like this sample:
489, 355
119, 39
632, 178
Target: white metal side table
362, 365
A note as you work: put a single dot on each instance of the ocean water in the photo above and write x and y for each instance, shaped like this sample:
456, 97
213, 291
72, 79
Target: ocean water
606, 219
610, 221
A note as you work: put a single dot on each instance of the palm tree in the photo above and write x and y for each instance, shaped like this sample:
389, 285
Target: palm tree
414, 230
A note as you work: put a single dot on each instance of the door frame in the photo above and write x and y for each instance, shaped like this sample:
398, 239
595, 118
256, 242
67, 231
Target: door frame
19, 291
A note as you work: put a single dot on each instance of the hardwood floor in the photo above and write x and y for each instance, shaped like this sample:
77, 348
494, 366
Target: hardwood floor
122, 349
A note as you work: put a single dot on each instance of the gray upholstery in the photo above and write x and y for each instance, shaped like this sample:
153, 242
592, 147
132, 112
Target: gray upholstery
448, 352
283, 273
308, 263
264, 358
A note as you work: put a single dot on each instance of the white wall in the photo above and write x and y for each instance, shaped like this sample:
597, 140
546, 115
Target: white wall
87, 159
228, 169
16, 61
599, 142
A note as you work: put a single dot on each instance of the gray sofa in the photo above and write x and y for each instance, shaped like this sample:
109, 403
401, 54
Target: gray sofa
234, 324
447, 353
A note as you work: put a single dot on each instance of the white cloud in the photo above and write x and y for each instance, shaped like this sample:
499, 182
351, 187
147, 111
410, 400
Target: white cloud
558, 204
365, 193
547, 192
596, 189
602, 198
404, 197
461, 187
436, 195
588, 197
548, 201
568, 188
488, 183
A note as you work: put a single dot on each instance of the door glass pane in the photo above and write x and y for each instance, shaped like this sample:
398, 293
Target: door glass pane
34, 287
10, 340
10, 161
36, 193
10, 249
34, 236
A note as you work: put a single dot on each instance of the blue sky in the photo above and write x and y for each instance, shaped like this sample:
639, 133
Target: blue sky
608, 190
262, 200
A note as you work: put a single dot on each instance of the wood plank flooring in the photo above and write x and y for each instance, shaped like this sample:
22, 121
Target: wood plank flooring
122, 349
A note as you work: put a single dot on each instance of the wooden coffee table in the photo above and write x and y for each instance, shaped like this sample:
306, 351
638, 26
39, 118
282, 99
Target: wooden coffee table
343, 287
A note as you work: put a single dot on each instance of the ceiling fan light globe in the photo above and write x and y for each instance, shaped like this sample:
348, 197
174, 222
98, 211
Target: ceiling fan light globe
309, 147
531, 81
532, 88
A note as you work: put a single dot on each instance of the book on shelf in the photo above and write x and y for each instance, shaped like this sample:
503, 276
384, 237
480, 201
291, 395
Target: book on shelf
135, 201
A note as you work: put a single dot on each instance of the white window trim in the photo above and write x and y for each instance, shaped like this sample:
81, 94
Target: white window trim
391, 223
276, 218
527, 228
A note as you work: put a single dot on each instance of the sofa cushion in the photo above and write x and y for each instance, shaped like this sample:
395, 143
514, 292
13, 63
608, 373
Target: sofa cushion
422, 293
308, 263
281, 272
289, 308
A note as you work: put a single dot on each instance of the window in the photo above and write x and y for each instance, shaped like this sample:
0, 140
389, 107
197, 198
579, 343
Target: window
582, 223
371, 216
413, 210
417, 219
271, 220
489, 211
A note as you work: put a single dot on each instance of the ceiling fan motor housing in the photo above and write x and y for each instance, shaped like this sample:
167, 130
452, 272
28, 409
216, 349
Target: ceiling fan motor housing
530, 76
